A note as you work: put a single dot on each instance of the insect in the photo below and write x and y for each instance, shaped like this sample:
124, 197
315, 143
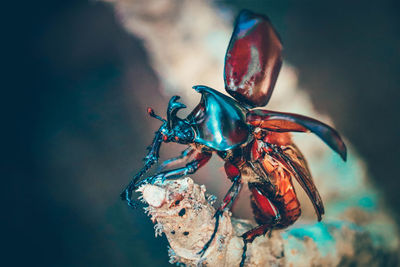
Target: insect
254, 143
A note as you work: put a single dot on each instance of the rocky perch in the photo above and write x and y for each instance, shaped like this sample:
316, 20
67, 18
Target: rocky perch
184, 214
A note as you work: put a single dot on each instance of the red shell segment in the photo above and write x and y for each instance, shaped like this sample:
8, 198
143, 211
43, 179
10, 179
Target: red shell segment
253, 60
281, 139
256, 150
284, 196
293, 166
202, 158
231, 170
275, 125
264, 204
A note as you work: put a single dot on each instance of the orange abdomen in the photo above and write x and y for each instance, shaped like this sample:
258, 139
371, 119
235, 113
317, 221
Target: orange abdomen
284, 197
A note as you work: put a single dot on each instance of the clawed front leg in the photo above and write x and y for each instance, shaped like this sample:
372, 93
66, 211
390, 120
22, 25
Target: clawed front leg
127, 196
150, 159
127, 193
160, 177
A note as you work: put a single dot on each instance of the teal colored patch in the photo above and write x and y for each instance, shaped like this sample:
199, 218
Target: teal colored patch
341, 224
364, 200
367, 202
349, 173
318, 232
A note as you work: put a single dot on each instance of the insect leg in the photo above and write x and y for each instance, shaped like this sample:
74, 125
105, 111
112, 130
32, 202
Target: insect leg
200, 159
265, 212
149, 160
234, 174
183, 157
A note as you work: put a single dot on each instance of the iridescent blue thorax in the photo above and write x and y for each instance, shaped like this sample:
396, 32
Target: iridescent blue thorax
219, 121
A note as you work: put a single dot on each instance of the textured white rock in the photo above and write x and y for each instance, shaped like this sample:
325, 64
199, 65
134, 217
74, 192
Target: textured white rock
186, 218
154, 195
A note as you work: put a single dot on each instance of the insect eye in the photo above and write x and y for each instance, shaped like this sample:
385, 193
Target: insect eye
165, 138
176, 138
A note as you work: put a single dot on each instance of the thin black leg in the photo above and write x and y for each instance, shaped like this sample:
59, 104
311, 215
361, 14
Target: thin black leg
229, 200
244, 253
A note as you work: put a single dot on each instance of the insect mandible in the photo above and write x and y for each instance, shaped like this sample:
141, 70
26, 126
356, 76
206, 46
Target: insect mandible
254, 143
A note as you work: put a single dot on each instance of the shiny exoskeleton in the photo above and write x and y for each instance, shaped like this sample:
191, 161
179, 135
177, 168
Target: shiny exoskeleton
254, 143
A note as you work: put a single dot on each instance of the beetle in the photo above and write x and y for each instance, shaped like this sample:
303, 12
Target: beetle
254, 143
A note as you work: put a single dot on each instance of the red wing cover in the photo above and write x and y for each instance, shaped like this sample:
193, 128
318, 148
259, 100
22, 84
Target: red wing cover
253, 60
291, 157
289, 122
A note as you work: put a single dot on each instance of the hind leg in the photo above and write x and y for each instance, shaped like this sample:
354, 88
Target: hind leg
233, 174
266, 214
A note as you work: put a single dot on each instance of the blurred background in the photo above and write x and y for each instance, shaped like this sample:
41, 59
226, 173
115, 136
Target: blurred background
75, 127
